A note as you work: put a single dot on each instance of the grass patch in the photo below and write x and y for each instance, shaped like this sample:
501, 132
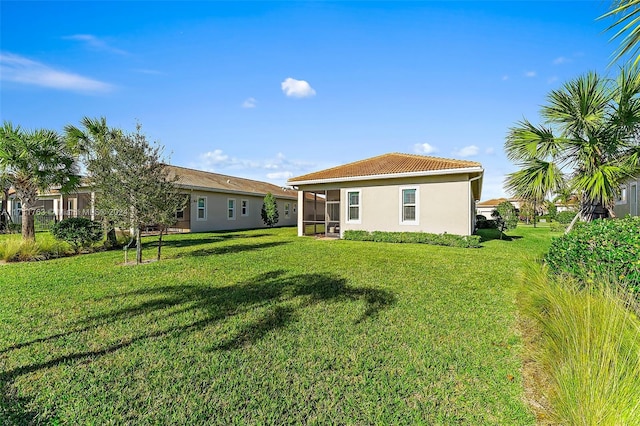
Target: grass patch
589, 349
14, 249
265, 327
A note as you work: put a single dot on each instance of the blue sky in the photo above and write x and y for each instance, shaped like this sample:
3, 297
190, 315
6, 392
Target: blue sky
270, 90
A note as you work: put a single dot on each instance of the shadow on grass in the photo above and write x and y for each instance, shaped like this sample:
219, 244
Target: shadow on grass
275, 298
495, 234
172, 241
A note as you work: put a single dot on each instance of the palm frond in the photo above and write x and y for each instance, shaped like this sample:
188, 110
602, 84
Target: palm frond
535, 180
526, 141
628, 27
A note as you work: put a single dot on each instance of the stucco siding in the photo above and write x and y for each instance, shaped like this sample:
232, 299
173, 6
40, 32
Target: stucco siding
442, 205
630, 204
217, 212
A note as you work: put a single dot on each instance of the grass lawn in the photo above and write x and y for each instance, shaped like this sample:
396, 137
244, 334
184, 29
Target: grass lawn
265, 327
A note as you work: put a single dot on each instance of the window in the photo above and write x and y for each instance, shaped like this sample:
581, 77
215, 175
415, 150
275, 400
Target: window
353, 206
287, 210
622, 196
244, 207
180, 214
231, 209
202, 208
409, 206
295, 208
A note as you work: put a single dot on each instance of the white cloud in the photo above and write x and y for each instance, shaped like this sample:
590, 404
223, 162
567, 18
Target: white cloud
279, 175
276, 169
530, 74
552, 79
467, 151
489, 150
250, 103
95, 43
561, 60
19, 69
297, 88
424, 148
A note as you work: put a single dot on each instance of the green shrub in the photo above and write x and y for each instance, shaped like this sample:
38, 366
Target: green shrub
557, 227
588, 347
414, 237
600, 250
80, 232
486, 224
565, 217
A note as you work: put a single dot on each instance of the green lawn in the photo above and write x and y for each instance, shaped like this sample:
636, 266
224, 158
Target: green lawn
266, 327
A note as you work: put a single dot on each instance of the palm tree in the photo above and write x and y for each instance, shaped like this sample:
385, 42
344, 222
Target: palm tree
5, 186
92, 141
592, 123
34, 161
627, 27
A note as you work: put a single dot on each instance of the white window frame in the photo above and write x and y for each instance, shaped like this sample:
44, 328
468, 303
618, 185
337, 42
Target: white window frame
416, 221
231, 208
244, 207
348, 205
198, 208
623, 195
179, 211
287, 210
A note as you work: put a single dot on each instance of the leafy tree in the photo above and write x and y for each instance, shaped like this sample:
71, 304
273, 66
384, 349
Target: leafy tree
552, 210
269, 210
132, 180
35, 161
166, 200
592, 127
527, 212
80, 232
505, 216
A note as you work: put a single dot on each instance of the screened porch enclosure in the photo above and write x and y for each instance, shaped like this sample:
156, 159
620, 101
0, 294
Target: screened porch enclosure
321, 213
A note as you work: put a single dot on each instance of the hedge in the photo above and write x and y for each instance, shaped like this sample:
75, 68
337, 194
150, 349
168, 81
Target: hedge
605, 249
450, 240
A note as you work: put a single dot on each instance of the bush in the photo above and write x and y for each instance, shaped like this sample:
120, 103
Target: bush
80, 232
451, 240
588, 347
486, 224
565, 217
557, 227
605, 249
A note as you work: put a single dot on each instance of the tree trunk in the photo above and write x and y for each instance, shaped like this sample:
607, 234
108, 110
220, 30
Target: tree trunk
160, 243
534, 214
28, 224
138, 247
573, 222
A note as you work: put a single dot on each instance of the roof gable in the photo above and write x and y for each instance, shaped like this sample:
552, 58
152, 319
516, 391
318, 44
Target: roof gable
388, 165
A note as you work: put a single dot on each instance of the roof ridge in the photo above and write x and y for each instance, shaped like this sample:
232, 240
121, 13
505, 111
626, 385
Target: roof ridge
221, 174
434, 157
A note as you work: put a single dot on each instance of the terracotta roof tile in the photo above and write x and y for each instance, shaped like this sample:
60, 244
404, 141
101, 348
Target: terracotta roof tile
387, 164
492, 202
215, 181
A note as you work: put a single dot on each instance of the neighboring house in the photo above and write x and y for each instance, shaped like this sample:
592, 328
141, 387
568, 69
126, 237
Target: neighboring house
216, 202
391, 192
485, 208
627, 202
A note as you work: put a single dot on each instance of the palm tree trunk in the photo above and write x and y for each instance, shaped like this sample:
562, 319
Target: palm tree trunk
28, 224
573, 222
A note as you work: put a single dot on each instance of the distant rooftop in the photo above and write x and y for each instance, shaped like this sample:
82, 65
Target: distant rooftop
191, 178
388, 164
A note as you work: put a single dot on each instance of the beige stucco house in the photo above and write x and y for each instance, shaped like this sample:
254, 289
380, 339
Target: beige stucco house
391, 192
215, 202
627, 202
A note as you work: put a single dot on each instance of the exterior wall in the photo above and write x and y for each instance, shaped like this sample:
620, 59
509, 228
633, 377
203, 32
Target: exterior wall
443, 204
216, 212
629, 204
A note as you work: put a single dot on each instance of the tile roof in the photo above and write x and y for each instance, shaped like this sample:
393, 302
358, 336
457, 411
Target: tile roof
387, 164
492, 202
191, 178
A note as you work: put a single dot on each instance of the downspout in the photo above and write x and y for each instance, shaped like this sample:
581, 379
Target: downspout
472, 222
